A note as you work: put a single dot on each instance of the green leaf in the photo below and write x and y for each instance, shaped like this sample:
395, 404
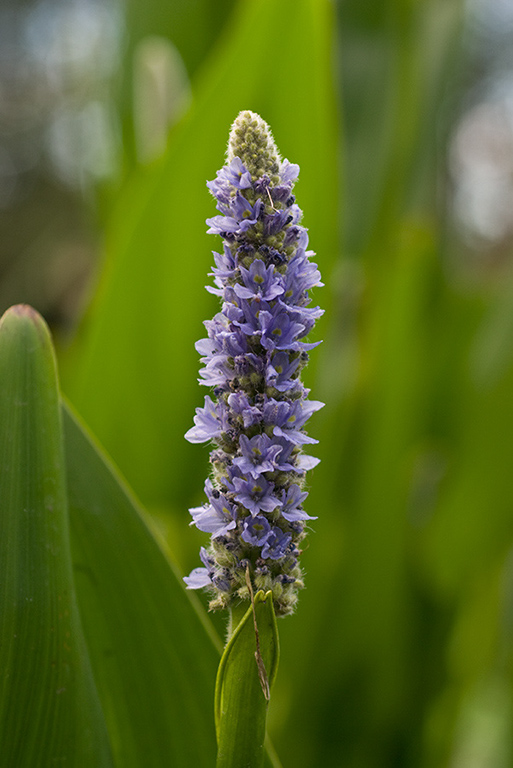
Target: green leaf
248, 666
146, 654
154, 654
136, 356
50, 712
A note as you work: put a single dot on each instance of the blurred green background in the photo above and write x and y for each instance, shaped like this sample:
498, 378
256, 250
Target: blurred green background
400, 113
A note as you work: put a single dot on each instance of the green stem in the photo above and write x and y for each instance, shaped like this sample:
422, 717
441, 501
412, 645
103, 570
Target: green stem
241, 704
237, 613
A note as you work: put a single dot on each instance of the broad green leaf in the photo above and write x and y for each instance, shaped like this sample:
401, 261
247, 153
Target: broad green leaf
248, 667
50, 712
135, 368
153, 653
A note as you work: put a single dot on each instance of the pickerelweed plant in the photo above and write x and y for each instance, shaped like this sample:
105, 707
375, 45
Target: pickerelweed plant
253, 357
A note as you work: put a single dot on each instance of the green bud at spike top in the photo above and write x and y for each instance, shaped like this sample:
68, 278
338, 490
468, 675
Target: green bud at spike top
251, 141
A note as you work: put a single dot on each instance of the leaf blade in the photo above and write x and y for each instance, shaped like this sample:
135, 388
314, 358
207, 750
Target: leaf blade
49, 707
154, 655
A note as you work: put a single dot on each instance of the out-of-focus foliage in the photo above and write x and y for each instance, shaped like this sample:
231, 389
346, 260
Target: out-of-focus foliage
193, 26
399, 654
140, 337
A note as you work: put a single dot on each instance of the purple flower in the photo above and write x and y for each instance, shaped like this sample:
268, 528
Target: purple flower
216, 518
240, 404
256, 530
236, 174
292, 499
259, 280
280, 371
245, 213
286, 461
258, 455
288, 172
201, 577
252, 358
207, 424
289, 422
279, 331
275, 222
255, 494
304, 462
225, 263
277, 544
222, 225
252, 318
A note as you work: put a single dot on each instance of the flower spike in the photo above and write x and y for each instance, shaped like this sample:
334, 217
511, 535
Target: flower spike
253, 357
